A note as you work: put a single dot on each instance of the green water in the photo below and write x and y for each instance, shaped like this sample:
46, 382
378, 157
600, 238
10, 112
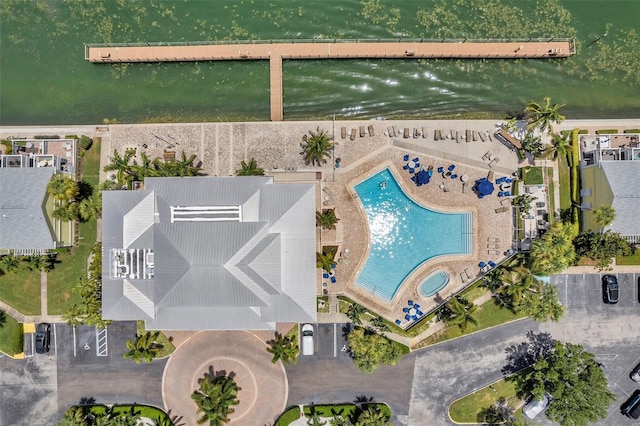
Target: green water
44, 78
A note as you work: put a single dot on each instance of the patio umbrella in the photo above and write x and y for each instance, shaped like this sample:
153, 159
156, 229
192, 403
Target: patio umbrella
422, 177
484, 187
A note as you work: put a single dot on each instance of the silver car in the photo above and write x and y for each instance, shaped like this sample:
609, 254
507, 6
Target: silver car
535, 406
307, 339
635, 374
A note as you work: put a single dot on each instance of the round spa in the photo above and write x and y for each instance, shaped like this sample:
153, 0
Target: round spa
435, 282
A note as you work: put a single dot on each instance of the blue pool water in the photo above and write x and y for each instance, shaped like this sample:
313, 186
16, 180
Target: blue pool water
404, 234
434, 283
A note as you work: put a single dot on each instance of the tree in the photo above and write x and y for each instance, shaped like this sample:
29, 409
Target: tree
519, 282
144, 348
67, 210
604, 216
120, 165
90, 208
532, 143
560, 146
541, 117
554, 252
250, 169
146, 168
184, 166
574, 380
282, 347
380, 324
339, 420
9, 263
601, 248
63, 188
543, 305
464, 317
354, 312
325, 261
315, 420
215, 398
372, 415
523, 201
370, 349
327, 219
316, 147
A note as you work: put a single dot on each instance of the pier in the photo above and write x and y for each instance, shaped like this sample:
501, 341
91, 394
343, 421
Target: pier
277, 51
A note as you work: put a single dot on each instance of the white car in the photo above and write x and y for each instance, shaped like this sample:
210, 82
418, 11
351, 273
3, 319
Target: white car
535, 406
307, 339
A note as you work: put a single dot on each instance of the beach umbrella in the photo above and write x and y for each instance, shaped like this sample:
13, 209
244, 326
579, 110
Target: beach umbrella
484, 187
422, 177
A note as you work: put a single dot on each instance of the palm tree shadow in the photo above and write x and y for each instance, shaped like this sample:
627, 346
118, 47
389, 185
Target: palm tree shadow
525, 354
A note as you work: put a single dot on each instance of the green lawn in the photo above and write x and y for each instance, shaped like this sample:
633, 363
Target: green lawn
21, 290
532, 175
552, 190
466, 410
167, 347
8, 336
488, 315
565, 184
634, 259
73, 265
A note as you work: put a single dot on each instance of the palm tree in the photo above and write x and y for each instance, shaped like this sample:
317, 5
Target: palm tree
604, 216
542, 117
63, 188
65, 211
10, 263
560, 146
519, 283
146, 168
91, 208
184, 166
465, 317
532, 143
316, 147
250, 169
315, 420
354, 312
325, 261
372, 416
380, 324
214, 399
339, 420
283, 348
327, 219
144, 347
120, 165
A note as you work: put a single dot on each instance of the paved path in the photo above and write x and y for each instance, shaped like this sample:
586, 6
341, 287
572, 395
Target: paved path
263, 385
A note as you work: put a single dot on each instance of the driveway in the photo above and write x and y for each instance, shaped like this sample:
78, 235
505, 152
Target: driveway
325, 378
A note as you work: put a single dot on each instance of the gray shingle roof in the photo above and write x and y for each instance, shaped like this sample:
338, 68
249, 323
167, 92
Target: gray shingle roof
220, 275
624, 180
23, 222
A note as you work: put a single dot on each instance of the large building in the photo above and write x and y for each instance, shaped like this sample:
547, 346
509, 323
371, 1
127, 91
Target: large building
610, 175
210, 253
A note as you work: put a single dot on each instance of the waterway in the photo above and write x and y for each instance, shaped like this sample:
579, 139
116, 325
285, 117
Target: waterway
44, 78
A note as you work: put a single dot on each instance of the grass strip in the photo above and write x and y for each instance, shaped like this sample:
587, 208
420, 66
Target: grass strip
552, 190
289, 416
21, 290
467, 409
11, 336
607, 132
634, 259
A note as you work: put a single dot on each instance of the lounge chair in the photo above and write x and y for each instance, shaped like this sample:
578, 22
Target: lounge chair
507, 194
437, 135
466, 272
486, 155
468, 136
462, 278
493, 252
415, 160
505, 202
464, 187
416, 133
473, 135
343, 132
490, 175
494, 162
325, 275
457, 137
493, 239
500, 194
481, 137
424, 133
395, 131
353, 134
392, 131
454, 176
362, 131
489, 137
493, 246
440, 169
416, 306
406, 133
371, 132
502, 209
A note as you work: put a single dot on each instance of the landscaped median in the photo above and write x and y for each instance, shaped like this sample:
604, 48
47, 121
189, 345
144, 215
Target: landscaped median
473, 407
357, 414
126, 414
11, 336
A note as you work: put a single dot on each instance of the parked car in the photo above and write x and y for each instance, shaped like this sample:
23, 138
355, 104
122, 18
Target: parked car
43, 338
307, 339
535, 406
631, 408
610, 289
635, 374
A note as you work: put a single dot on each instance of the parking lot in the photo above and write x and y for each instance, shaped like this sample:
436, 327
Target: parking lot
610, 332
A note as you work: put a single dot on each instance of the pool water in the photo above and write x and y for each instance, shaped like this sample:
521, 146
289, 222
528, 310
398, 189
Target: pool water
434, 283
404, 234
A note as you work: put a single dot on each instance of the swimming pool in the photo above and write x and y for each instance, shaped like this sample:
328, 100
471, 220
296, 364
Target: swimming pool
404, 234
435, 282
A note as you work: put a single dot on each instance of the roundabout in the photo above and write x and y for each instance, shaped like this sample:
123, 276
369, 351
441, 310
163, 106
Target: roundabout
241, 355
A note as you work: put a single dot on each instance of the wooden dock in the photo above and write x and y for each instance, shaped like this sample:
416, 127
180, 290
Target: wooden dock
276, 52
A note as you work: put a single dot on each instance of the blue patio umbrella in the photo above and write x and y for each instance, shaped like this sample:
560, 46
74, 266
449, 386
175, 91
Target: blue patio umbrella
422, 177
484, 187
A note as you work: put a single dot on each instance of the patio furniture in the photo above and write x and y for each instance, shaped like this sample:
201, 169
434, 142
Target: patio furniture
407, 317
333, 280
406, 167
482, 264
454, 176
361, 131
343, 132
406, 133
415, 318
492, 264
405, 309
370, 129
419, 312
415, 160
500, 194
493, 239
410, 302
466, 271
486, 155
398, 322
451, 167
353, 135
492, 246
481, 137
493, 252
440, 169
502, 209
325, 275
406, 157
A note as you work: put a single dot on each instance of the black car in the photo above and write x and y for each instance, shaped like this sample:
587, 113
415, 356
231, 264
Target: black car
610, 289
631, 408
43, 338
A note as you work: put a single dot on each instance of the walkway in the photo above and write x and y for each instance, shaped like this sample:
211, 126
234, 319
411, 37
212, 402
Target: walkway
263, 385
319, 49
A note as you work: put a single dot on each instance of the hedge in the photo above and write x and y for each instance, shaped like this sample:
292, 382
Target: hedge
575, 176
607, 132
18, 339
289, 416
632, 131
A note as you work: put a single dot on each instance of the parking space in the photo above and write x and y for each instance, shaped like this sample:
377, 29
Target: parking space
329, 343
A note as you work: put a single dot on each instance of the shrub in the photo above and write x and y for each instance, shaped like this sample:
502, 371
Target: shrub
71, 136
607, 132
575, 175
85, 142
632, 131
